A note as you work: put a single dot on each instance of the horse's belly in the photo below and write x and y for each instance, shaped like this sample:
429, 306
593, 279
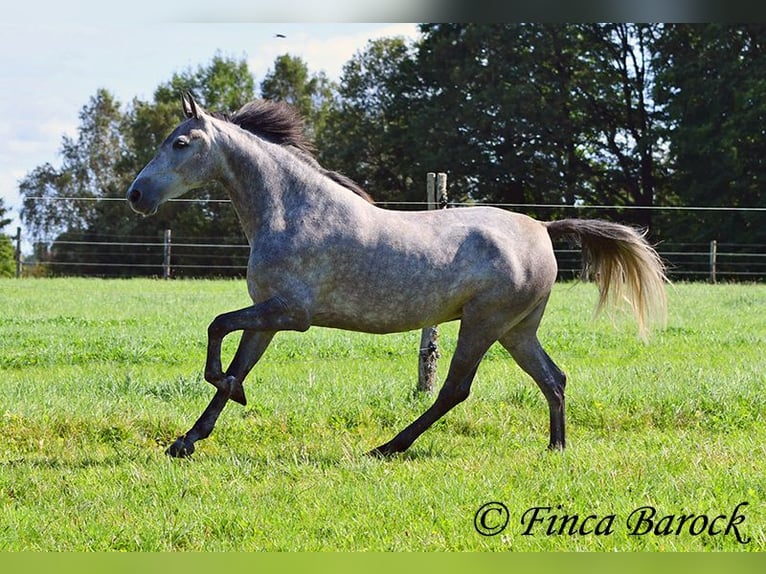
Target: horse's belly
390, 314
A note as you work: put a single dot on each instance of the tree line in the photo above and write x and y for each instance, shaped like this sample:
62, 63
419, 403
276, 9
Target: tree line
633, 116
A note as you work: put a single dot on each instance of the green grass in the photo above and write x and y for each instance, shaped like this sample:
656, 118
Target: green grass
97, 377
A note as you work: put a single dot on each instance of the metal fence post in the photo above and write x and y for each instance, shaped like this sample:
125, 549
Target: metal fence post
713, 257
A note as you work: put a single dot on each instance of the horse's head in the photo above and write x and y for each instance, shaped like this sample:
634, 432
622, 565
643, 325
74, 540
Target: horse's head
181, 164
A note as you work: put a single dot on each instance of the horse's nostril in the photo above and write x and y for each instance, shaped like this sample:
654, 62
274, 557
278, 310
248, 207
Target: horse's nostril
134, 196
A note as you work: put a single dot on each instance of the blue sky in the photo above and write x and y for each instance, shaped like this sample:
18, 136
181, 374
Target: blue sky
53, 61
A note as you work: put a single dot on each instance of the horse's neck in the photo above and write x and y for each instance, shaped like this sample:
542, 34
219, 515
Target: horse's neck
267, 183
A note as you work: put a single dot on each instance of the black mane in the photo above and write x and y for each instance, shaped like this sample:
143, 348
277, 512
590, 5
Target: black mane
280, 123
277, 122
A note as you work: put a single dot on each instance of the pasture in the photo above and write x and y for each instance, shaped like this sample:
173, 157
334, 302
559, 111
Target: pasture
98, 377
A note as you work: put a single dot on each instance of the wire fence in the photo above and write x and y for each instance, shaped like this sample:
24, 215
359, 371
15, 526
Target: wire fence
184, 258
425, 204
168, 256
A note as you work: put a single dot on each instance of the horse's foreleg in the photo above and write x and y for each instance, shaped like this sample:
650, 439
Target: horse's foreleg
259, 324
267, 317
251, 348
184, 445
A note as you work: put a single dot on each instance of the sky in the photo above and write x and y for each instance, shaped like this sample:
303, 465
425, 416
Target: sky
51, 65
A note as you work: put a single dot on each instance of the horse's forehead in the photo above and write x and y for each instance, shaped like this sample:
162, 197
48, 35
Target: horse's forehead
184, 128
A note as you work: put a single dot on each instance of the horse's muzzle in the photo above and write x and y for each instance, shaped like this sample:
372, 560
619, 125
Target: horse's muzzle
139, 202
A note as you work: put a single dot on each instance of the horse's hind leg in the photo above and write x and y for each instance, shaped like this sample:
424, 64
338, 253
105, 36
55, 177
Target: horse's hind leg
470, 349
532, 358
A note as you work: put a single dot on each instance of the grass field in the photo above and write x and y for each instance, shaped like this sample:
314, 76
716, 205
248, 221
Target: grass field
97, 377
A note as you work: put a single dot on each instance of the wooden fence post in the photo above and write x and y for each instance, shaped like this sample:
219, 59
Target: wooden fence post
713, 257
441, 199
166, 256
436, 197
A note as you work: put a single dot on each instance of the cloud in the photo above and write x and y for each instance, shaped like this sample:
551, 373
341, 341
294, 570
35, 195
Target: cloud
331, 56
37, 139
25, 143
327, 54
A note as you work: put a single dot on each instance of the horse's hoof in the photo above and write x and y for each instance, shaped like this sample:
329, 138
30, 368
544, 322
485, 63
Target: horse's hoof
237, 391
179, 449
382, 452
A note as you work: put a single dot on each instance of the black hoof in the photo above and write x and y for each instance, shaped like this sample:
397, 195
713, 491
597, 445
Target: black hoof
180, 449
237, 392
382, 452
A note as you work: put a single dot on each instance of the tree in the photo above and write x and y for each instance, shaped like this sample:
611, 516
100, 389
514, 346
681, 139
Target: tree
498, 110
311, 94
368, 134
542, 114
624, 127
224, 85
89, 171
7, 257
4, 221
633, 115
712, 81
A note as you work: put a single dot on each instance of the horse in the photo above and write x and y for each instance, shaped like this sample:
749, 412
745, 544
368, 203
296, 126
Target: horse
323, 254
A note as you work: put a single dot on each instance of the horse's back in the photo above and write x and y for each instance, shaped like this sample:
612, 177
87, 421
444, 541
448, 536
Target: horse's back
411, 269
482, 237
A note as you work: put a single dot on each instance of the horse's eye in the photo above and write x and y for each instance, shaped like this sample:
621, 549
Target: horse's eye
180, 143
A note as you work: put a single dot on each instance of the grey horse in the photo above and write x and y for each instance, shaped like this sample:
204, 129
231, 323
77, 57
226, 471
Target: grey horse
321, 253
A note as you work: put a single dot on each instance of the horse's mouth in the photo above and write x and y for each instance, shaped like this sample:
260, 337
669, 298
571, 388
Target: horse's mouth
147, 211
140, 203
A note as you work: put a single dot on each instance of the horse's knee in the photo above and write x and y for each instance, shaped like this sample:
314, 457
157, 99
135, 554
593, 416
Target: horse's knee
217, 328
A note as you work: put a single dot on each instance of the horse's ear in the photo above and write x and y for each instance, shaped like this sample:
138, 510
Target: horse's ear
191, 109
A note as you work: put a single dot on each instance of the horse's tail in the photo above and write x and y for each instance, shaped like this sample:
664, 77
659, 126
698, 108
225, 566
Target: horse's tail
622, 263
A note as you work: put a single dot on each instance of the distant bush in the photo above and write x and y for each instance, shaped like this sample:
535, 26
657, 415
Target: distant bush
7, 263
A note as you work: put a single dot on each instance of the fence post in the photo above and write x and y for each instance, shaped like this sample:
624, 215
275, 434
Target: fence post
436, 197
440, 199
713, 257
166, 256
17, 253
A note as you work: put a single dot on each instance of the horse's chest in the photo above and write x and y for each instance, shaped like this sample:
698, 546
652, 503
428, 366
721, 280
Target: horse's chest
278, 271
